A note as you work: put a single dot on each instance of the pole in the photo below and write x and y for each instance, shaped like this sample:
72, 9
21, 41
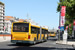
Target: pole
69, 30
60, 17
59, 20
59, 24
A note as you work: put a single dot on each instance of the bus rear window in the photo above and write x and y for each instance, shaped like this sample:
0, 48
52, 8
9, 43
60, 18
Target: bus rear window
20, 27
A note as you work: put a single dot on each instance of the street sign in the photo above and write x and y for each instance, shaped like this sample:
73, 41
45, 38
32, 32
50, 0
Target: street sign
59, 27
62, 28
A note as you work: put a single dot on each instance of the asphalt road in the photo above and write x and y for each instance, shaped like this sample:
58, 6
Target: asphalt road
49, 45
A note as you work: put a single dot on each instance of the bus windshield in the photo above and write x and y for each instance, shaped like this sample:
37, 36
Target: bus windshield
20, 27
52, 32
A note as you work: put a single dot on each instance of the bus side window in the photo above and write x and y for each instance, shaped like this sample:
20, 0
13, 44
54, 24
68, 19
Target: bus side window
43, 31
15, 27
38, 30
33, 30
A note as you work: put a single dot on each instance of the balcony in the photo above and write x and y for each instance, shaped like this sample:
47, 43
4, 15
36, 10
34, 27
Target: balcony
1, 21
1, 24
1, 17
2, 6
1, 9
1, 14
1, 27
1, 31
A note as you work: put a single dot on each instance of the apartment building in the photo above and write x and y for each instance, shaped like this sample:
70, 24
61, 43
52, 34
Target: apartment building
2, 13
8, 23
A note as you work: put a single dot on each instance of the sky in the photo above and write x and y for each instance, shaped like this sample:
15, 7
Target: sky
43, 12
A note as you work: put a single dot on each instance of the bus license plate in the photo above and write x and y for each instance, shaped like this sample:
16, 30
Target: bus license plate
19, 41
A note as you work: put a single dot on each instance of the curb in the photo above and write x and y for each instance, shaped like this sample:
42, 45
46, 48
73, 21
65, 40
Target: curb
67, 43
4, 40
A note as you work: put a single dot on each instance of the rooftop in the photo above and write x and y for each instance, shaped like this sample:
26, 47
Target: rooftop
9, 17
6, 19
21, 19
2, 3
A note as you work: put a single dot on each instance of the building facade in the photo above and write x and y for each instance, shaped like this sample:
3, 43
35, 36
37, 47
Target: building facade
2, 13
8, 23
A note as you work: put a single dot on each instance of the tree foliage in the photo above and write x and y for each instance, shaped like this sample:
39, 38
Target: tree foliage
1, 3
70, 11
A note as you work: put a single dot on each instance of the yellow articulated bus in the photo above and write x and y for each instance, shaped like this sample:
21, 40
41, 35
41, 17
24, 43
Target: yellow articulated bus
48, 34
45, 33
52, 34
24, 32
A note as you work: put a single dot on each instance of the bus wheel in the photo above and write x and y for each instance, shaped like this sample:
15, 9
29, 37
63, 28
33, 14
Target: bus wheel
43, 39
46, 39
34, 41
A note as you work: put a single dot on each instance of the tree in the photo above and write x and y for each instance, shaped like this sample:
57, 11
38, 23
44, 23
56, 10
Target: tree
1, 3
70, 11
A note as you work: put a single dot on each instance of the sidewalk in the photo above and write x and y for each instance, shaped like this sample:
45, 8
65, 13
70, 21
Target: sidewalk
5, 37
67, 43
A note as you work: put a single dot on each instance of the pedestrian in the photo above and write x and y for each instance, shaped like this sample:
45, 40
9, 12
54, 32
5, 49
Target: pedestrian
57, 34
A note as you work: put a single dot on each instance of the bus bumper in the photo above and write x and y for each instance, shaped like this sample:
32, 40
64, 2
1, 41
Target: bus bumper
21, 41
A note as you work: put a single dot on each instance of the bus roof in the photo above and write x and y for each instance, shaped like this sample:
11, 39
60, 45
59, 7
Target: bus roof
32, 25
35, 26
20, 22
44, 28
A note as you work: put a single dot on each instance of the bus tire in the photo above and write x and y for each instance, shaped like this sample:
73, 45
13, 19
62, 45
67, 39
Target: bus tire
43, 39
46, 40
34, 41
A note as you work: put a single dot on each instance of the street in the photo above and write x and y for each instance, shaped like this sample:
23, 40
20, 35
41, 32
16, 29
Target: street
49, 45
